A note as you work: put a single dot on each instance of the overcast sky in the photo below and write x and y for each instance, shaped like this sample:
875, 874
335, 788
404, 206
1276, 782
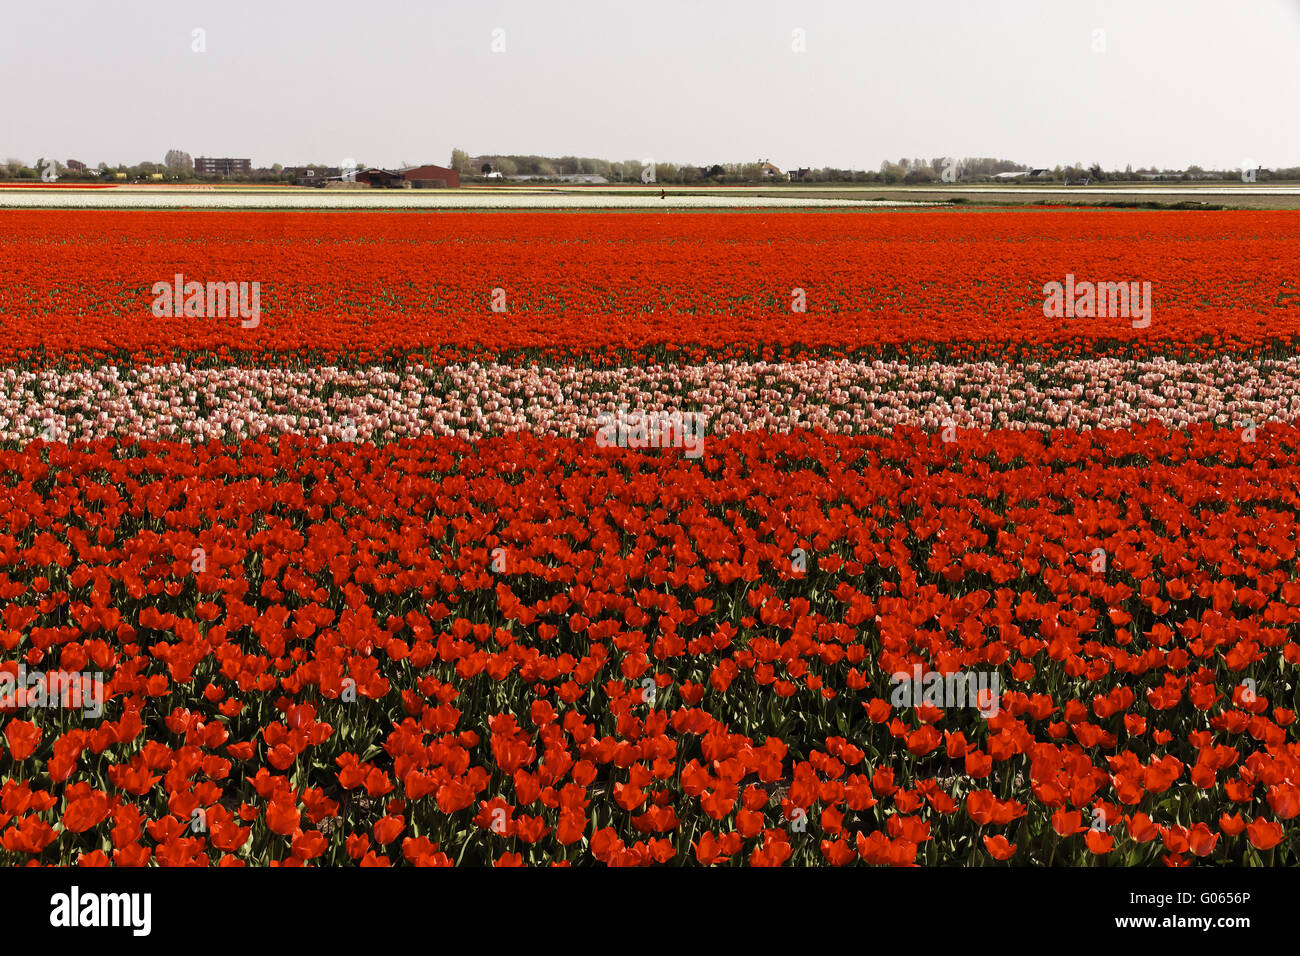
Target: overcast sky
1043, 82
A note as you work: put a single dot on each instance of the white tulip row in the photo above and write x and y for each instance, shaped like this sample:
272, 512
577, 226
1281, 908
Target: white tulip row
174, 402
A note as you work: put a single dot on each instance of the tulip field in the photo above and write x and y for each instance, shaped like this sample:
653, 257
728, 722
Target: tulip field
361, 580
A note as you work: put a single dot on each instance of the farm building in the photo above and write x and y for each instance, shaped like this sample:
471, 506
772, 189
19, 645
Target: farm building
379, 177
427, 177
414, 177
313, 175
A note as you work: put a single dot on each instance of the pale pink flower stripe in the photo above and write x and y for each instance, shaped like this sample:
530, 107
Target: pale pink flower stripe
173, 402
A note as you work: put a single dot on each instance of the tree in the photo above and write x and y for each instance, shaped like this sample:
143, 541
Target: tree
460, 162
178, 161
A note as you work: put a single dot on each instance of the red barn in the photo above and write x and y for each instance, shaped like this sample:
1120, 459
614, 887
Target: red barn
432, 177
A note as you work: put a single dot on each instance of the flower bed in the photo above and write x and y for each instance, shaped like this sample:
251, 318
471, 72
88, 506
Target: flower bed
939, 582
587, 288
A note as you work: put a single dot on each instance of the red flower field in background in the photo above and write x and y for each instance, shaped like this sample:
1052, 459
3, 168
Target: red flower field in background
600, 287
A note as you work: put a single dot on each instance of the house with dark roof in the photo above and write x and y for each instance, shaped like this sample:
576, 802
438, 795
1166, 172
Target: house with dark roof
375, 176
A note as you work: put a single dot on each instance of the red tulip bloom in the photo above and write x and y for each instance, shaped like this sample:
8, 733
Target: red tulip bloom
309, 844
1067, 822
1202, 840
282, 816
708, 849
999, 848
23, 737
1099, 843
86, 810
1264, 834
387, 829
1285, 800
1231, 825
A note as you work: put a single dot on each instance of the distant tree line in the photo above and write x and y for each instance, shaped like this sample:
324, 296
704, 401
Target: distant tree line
628, 170
907, 171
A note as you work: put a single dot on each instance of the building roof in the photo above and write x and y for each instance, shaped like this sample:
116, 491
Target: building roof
427, 171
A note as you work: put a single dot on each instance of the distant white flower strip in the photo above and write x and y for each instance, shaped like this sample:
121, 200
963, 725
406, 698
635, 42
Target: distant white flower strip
173, 402
412, 199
